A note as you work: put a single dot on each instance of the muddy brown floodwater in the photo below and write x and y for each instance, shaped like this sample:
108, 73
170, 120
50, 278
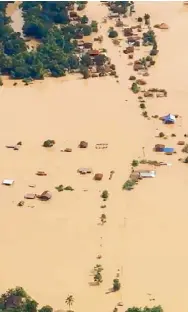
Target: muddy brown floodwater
50, 249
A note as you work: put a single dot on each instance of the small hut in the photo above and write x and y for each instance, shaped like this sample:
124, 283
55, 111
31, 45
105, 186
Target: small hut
83, 144
98, 176
46, 195
159, 147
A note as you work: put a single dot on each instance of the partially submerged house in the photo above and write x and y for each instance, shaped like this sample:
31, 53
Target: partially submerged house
168, 150
93, 52
84, 170
159, 147
29, 196
83, 144
141, 174
147, 174
169, 119
46, 195
7, 182
98, 176
88, 45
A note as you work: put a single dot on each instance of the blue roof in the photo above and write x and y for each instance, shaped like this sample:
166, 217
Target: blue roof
169, 117
168, 149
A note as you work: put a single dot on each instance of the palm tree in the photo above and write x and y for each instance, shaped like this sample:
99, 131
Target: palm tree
69, 301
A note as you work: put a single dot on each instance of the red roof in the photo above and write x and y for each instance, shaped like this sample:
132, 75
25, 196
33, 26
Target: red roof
94, 52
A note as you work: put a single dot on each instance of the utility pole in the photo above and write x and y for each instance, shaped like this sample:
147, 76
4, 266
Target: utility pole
143, 150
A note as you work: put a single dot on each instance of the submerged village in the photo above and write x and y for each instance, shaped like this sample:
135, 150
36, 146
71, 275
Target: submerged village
81, 172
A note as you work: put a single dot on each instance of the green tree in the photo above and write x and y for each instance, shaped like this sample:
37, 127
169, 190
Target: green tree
113, 34
98, 278
135, 163
86, 30
128, 185
116, 284
84, 19
30, 305
105, 195
86, 60
94, 26
46, 308
135, 88
98, 268
69, 301
85, 72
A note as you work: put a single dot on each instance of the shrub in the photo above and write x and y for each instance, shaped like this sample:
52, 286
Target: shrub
98, 268
135, 163
140, 19
68, 188
173, 135
113, 67
148, 58
94, 26
186, 160
48, 143
113, 34
145, 114
116, 284
142, 106
135, 88
128, 185
98, 278
161, 134
81, 6
59, 188
84, 19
